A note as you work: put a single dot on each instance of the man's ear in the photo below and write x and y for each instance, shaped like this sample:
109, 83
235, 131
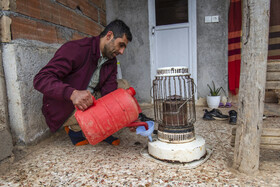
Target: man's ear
109, 35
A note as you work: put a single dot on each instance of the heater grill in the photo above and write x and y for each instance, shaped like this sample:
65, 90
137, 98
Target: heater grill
174, 104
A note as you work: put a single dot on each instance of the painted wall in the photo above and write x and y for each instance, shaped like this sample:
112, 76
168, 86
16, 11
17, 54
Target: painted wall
135, 62
211, 44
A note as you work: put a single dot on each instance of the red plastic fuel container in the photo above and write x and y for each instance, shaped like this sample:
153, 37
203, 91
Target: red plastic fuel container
109, 114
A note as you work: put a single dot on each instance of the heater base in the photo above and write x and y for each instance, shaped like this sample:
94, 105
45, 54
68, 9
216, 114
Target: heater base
184, 152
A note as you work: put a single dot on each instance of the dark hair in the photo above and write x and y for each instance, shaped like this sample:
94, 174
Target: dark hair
119, 28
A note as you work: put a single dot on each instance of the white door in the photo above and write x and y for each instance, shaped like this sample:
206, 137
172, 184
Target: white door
173, 34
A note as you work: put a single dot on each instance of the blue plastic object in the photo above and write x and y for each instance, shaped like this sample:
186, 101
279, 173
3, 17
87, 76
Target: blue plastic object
143, 132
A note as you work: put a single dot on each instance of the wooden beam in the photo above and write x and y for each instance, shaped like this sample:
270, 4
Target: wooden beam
270, 138
273, 76
265, 140
272, 85
273, 66
265, 132
274, 147
262, 145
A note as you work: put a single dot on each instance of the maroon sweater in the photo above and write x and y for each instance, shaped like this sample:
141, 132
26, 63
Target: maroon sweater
71, 68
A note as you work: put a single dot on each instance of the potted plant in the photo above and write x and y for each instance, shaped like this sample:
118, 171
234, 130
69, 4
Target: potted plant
213, 100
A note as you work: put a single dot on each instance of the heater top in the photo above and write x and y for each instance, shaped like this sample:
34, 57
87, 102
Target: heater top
172, 71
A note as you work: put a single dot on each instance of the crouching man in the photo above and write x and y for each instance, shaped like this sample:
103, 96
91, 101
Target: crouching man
79, 69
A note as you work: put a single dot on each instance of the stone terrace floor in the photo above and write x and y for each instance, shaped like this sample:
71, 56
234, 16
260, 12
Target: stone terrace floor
56, 162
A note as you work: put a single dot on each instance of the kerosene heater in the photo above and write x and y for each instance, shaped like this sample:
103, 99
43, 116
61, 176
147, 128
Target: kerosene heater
174, 108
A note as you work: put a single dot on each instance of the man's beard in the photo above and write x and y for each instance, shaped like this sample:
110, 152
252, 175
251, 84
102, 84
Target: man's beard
107, 52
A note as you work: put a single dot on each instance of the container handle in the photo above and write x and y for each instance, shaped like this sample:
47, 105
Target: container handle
93, 101
134, 124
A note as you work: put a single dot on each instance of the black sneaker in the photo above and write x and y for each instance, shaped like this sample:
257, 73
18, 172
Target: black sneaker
207, 115
232, 117
217, 114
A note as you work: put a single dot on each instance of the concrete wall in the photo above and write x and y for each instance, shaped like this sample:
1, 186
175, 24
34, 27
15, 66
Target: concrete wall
212, 45
22, 60
135, 63
57, 21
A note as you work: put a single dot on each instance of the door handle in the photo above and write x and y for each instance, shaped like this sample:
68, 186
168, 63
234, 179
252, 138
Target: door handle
153, 30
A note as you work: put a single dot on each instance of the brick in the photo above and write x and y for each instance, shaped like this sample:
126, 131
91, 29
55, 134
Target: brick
100, 3
102, 18
86, 8
86, 26
29, 8
50, 12
5, 4
77, 36
5, 25
69, 3
32, 30
103, 5
89, 10
40, 9
95, 30
55, 13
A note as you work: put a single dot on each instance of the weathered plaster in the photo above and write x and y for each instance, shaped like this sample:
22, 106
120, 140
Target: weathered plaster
21, 61
6, 145
211, 44
135, 62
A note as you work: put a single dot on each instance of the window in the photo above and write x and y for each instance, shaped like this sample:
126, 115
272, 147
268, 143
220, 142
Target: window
171, 11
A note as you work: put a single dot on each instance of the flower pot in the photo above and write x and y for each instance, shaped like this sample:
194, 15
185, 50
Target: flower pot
213, 101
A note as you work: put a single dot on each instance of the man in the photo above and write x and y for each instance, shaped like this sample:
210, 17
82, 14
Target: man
79, 69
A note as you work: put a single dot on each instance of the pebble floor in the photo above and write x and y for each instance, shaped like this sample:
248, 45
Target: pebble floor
56, 162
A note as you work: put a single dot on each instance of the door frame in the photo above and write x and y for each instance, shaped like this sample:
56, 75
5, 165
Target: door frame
192, 38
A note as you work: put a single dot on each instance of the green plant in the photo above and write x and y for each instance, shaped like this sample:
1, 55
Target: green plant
215, 91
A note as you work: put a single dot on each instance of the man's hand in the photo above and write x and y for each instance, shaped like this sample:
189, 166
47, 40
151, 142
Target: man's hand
82, 99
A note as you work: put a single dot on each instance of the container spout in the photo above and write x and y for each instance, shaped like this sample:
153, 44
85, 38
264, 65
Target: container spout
146, 132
